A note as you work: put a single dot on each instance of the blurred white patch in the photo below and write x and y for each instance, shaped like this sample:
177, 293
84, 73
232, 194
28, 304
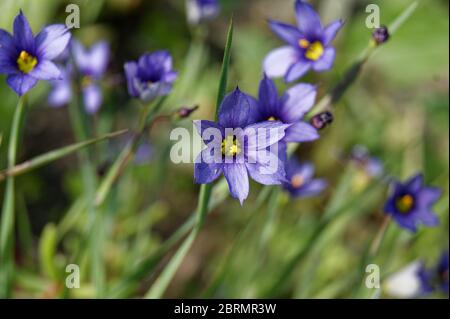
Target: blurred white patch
405, 283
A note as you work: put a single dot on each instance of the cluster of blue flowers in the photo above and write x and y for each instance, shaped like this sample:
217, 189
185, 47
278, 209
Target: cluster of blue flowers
244, 151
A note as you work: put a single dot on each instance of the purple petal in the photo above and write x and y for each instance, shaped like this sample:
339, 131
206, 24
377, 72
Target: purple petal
92, 97
208, 130
264, 134
130, 74
21, 83
277, 62
206, 170
237, 111
414, 184
23, 36
326, 60
297, 70
60, 94
301, 132
330, 31
428, 219
45, 70
405, 221
7, 43
308, 20
268, 96
52, 41
286, 32
237, 178
427, 196
313, 188
6, 66
297, 101
99, 58
268, 169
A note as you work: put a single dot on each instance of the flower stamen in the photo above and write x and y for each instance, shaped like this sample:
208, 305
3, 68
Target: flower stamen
404, 203
314, 51
297, 181
26, 62
230, 146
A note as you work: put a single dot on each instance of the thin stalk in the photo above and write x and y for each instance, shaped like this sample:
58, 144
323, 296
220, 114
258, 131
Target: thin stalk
51, 156
160, 285
7, 222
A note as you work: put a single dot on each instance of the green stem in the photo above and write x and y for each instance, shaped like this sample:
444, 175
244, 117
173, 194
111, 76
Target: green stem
7, 222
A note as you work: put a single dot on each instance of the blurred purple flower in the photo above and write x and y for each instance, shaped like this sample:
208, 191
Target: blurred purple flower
300, 179
371, 165
289, 109
411, 202
435, 278
26, 58
151, 76
199, 11
309, 45
243, 152
90, 65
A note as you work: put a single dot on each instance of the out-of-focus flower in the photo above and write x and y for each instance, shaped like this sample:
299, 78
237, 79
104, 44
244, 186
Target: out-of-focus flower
90, 65
300, 181
237, 147
321, 120
151, 76
380, 35
371, 165
309, 45
199, 11
434, 279
404, 283
411, 202
289, 109
26, 58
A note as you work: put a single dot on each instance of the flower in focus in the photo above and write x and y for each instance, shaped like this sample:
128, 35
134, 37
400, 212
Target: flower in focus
309, 45
26, 58
289, 109
435, 278
199, 11
300, 180
151, 76
411, 202
237, 146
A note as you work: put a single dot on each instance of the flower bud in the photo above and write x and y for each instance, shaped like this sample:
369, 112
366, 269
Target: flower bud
380, 35
319, 121
185, 112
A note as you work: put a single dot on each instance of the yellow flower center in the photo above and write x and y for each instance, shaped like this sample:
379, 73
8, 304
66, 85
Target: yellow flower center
230, 146
26, 62
313, 50
272, 118
404, 203
297, 181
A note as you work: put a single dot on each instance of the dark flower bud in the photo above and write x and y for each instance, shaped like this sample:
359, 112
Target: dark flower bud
380, 35
319, 121
184, 112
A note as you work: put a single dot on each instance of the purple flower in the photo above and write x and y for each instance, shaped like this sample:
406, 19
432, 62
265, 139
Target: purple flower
289, 109
237, 147
435, 278
371, 165
411, 203
151, 76
90, 65
300, 180
308, 45
199, 11
26, 58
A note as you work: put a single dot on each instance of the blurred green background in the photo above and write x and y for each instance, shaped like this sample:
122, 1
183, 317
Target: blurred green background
398, 109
